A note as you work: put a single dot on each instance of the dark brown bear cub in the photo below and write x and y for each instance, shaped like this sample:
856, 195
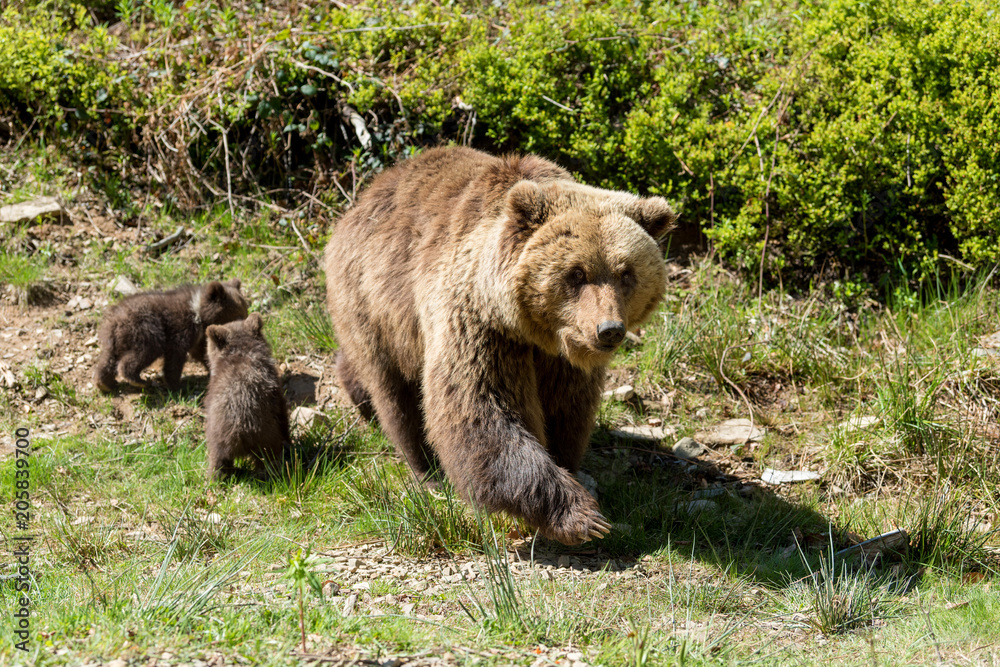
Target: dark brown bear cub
246, 411
144, 327
477, 302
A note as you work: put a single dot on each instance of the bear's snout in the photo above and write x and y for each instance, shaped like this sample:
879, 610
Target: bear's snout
610, 333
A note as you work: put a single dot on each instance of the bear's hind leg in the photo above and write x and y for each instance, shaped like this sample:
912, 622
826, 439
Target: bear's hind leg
349, 382
397, 406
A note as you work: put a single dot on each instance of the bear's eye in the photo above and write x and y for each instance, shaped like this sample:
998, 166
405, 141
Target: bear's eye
577, 277
628, 278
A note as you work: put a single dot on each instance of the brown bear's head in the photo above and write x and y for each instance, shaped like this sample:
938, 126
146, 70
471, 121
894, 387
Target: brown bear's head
219, 303
588, 265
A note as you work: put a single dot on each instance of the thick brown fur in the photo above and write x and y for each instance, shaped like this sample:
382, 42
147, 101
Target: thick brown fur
144, 327
467, 293
246, 413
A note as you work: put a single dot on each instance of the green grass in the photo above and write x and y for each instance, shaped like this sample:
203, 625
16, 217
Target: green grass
140, 555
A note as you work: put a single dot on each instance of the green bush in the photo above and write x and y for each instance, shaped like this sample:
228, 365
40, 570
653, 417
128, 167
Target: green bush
857, 136
57, 69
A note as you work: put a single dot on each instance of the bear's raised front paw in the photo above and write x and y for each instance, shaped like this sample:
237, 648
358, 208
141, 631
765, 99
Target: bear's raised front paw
580, 523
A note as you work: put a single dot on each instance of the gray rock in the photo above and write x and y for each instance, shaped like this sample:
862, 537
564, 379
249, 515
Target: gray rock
622, 394
125, 287
688, 448
307, 417
772, 476
730, 432
34, 210
656, 433
699, 506
350, 603
859, 423
588, 483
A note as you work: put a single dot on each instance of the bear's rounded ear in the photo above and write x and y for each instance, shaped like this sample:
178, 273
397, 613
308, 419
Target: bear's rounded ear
235, 283
526, 208
217, 336
215, 291
526, 203
654, 215
254, 323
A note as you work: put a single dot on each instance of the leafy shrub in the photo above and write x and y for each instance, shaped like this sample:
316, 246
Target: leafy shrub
58, 70
858, 136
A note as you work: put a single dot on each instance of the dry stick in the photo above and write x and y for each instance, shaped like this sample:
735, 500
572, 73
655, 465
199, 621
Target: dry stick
164, 242
767, 211
304, 244
722, 372
229, 179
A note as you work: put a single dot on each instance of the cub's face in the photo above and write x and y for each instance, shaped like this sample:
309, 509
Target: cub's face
221, 302
586, 276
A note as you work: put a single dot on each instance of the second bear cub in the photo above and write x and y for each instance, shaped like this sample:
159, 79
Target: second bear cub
246, 411
141, 328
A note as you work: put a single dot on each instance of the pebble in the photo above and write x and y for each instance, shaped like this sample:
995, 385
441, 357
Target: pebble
563, 561
688, 448
623, 393
349, 604
698, 506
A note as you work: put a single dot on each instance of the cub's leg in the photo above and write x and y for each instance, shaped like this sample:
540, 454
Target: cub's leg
104, 371
132, 363
173, 366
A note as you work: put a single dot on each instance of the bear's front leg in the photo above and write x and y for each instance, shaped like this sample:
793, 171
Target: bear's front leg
486, 424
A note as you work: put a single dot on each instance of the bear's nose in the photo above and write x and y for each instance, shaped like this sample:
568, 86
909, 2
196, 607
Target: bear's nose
610, 332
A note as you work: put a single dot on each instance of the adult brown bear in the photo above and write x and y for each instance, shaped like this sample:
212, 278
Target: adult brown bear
477, 302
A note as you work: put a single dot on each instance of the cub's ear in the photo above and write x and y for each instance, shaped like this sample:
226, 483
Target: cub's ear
254, 323
234, 283
526, 207
654, 215
215, 291
217, 336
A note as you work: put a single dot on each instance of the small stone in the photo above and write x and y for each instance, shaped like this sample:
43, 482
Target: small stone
349, 604
307, 417
40, 393
730, 432
547, 575
331, 588
688, 448
84, 304
213, 518
562, 561
352, 564
699, 506
858, 423
125, 287
621, 394
575, 656
419, 586
655, 433
407, 608
701, 413
117, 662
447, 571
588, 483
772, 476
631, 340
